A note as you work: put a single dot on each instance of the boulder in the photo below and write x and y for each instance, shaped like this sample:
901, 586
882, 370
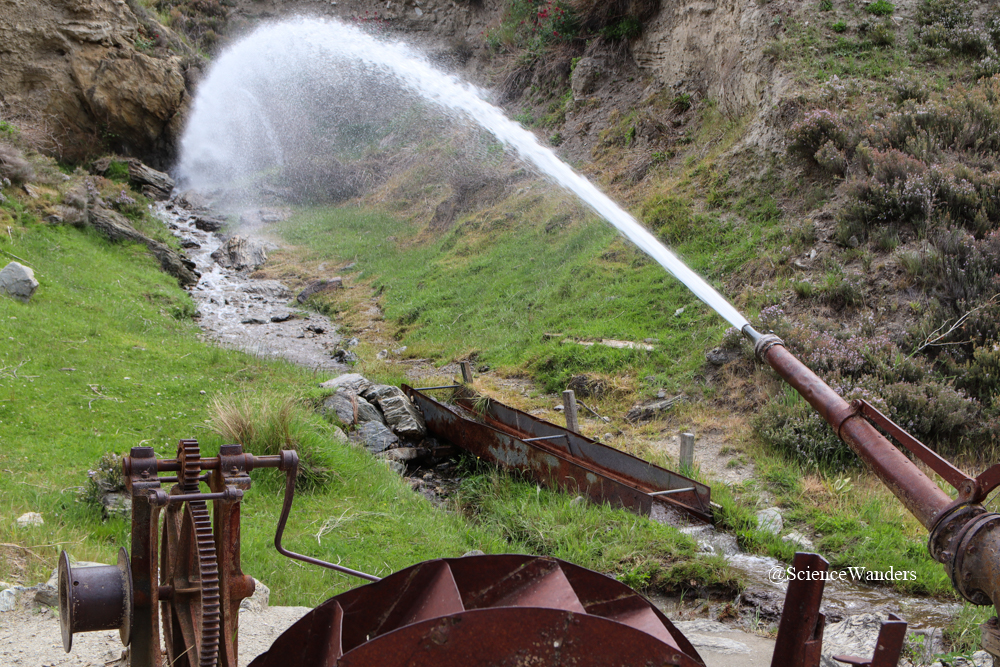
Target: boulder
208, 223
18, 281
354, 382
351, 408
405, 454
30, 519
155, 184
377, 392
240, 254
318, 286
403, 417
376, 437
116, 227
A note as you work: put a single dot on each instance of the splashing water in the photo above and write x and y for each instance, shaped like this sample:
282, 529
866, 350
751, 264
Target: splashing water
215, 143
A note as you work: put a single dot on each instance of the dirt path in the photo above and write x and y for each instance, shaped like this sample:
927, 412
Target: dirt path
31, 638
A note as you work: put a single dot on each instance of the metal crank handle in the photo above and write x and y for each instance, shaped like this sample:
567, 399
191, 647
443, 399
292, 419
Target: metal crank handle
290, 464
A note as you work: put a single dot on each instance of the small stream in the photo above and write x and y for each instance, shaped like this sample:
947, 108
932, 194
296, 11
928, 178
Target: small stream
248, 314
840, 598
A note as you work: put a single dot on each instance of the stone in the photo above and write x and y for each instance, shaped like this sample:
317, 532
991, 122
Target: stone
18, 281
283, 316
396, 466
650, 409
403, 417
798, 538
474, 552
376, 437
769, 520
586, 386
209, 223
319, 286
720, 356
354, 382
117, 504
345, 357
260, 599
982, 659
154, 184
8, 599
377, 392
30, 519
241, 254
47, 595
405, 454
117, 228
351, 408
855, 635
586, 74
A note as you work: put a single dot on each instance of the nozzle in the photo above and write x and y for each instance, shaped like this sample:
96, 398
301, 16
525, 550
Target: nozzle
761, 342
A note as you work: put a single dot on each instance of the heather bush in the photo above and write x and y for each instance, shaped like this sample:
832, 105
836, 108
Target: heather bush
831, 158
13, 165
815, 130
968, 267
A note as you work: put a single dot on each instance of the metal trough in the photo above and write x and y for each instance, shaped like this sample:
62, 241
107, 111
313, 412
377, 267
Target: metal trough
557, 457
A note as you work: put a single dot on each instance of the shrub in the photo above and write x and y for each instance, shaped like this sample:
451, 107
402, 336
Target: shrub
839, 26
13, 165
881, 8
831, 158
818, 127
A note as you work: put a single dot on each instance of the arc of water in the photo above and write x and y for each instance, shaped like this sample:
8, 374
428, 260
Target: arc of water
325, 39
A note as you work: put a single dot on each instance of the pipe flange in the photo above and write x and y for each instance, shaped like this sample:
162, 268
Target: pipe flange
765, 343
963, 578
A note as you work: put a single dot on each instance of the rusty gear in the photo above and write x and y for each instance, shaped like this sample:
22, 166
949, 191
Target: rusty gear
191, 617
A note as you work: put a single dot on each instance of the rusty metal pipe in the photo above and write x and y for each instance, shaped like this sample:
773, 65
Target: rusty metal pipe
964, 536
925, 499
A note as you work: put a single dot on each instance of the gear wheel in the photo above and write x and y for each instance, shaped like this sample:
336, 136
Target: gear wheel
189, 565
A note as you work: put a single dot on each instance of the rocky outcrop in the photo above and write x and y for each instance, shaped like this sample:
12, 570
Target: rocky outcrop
711, 49
77, 73
116, 227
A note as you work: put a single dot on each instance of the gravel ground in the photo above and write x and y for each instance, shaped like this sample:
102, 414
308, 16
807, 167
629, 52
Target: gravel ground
31, 638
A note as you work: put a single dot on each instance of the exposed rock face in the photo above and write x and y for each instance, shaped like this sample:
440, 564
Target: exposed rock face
72, 74
714, 49
18, 281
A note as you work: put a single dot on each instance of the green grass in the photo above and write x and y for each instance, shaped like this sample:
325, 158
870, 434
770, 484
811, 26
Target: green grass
504, 277
105, 357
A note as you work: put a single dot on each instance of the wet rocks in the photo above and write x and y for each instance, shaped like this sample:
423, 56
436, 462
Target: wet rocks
18, 281
855, 635
240, 254
208, 223
318, 287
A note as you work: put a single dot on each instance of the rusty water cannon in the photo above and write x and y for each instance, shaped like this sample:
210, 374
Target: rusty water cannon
964, 535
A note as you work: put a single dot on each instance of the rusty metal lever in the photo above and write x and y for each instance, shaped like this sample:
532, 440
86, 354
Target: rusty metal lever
290, 464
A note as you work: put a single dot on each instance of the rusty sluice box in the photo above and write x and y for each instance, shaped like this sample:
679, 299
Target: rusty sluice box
557, 457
